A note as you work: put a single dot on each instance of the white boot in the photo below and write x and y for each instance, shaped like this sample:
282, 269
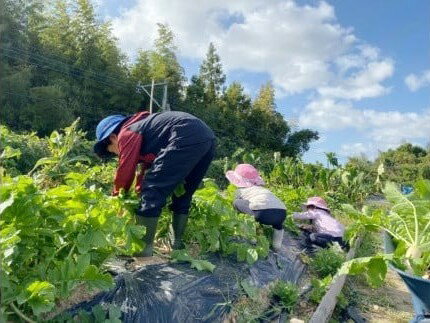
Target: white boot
277, 239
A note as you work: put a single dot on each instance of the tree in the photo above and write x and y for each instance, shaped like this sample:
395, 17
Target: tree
211, 73
405, 164
235, 99
47, 111
298, 142
332, 159
265, 99
161, 65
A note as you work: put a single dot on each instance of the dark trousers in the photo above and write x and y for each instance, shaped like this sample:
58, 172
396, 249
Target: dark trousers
324, 240
273, 217
176, 164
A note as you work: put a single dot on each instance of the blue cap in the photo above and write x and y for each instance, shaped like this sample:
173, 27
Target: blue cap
103, 131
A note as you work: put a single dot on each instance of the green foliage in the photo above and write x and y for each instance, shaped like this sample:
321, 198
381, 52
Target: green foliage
60, 147
404, 165
251, 291
161, 65
216, 226
407, 221
28, 150
98, 314
286, 293
64, 63
326, 262
374, 268
183, 256
319, 288
54, 239
211, 74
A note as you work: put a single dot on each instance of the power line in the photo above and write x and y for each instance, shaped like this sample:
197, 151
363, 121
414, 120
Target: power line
24, 95
59, 60
67, 70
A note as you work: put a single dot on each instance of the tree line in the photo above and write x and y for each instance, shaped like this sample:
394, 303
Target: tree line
59, 62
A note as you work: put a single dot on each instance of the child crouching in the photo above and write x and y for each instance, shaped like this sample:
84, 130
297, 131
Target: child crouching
253, 199
325, 228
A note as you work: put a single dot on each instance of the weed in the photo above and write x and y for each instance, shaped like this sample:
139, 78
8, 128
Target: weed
327, 262
285, 293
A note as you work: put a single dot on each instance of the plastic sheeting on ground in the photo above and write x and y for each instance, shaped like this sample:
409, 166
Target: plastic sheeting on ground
173, 292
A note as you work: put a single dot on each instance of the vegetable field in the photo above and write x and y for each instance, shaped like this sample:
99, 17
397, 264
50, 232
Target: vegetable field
59, 223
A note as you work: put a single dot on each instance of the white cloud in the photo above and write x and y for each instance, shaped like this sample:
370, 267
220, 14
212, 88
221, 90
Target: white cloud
354, 149
370, 150
364, 84
415, 82
384, 129
300, 47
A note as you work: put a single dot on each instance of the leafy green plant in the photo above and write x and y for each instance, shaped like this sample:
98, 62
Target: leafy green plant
199, 264
19, 152
407, 221
216, 226
55, 239
327, 261
286, 293
319, 288
60, 145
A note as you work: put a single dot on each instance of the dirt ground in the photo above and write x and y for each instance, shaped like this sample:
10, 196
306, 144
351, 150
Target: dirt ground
390, 303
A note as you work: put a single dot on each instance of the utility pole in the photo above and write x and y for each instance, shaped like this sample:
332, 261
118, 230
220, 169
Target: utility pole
152, 95
165, 106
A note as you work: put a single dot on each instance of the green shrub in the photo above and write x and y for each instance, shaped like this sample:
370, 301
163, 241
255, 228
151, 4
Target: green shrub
319, 288
285, 293
327, 262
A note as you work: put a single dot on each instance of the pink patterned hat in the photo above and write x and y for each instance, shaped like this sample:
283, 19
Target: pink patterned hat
244, 175
317, 202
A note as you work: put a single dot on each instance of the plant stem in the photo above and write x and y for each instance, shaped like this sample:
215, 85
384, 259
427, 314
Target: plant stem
424, 231
404, 223
71, 251
21, 314
415, 218
394, 235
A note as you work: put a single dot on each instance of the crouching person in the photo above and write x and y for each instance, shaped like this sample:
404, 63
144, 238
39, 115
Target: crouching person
173, 148
254, 199
325, 229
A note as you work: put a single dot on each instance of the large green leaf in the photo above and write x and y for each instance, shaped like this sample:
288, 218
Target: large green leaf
374, 268
95, 279
202, 265
39, 295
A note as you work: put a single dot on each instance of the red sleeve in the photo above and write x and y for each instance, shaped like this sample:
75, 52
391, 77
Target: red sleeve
146, 164
129, 152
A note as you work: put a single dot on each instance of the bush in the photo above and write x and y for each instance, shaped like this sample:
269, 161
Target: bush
327, 262
319, 288
31, 148
285, 293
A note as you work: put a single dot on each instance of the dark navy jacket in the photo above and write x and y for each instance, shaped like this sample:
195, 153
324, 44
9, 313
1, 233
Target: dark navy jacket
143, 136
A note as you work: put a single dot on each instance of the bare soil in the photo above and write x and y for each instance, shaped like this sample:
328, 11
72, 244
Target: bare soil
80, 294
389, 303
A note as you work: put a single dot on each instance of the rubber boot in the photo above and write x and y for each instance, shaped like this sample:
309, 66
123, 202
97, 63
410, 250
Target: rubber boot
150, 223
277, 239
179, 224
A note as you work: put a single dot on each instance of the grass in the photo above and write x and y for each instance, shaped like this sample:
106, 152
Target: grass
263, 304
287, 294
326, 262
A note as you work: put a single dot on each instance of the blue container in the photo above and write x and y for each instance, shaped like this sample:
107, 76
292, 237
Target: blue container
419, 288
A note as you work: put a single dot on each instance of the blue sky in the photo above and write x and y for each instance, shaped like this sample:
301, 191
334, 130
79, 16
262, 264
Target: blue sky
356, 71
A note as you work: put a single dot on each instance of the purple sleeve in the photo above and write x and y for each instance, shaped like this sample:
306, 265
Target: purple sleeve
305, 216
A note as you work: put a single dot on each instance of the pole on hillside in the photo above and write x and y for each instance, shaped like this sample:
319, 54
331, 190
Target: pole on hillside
152, 95
164, 106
